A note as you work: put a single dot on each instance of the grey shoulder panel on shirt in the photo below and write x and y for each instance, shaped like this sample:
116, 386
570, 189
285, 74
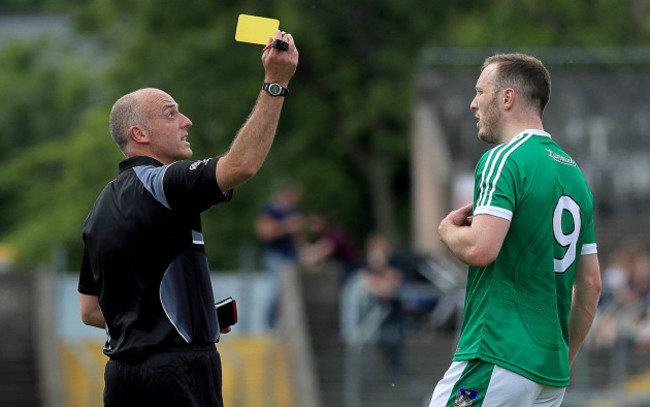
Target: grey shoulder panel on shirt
152, 179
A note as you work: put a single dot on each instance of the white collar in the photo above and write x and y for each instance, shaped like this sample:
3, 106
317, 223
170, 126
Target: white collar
536, 132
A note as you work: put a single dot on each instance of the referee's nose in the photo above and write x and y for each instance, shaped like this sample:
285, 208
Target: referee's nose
187, 123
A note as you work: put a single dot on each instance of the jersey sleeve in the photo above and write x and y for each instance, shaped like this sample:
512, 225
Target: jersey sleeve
193, 185
495, 185
87, 282
589, 233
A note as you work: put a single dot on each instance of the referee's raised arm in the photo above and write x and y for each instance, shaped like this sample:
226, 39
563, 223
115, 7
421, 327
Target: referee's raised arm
253, 142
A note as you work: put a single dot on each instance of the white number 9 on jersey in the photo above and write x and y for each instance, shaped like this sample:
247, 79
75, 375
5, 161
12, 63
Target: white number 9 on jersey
567, 240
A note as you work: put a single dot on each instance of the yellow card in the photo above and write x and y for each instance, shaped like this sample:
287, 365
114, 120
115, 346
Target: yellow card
256, 30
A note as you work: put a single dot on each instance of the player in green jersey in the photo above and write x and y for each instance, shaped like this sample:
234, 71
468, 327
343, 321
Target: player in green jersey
528, 238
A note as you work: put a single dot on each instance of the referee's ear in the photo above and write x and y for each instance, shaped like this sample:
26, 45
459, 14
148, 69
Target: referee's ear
139, 135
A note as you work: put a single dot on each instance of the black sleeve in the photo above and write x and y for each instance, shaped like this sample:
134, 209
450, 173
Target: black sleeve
87, 282
192, 185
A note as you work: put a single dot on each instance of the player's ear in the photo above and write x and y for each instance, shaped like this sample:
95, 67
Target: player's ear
508, 98
139, 134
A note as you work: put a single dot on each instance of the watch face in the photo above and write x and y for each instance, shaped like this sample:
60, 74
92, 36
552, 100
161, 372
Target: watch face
275, 89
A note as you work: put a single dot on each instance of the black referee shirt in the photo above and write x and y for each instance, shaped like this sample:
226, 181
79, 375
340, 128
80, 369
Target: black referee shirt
144, 256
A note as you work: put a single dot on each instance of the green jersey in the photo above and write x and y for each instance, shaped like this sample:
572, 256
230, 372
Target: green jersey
517, 308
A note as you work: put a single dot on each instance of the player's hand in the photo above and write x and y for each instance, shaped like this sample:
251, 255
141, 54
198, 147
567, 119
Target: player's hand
279, 65
461, 216
226, 330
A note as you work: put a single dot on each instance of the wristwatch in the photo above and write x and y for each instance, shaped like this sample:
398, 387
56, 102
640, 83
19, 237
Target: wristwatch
275, 89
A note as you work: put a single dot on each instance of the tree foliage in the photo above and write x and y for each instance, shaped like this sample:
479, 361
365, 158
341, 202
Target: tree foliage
344, 132
43, 94
46, 99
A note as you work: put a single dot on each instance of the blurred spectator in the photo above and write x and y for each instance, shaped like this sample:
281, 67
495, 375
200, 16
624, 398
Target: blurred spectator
379, 274
278, 228
383, 279
626, 285
371, 299
329, 241
642, 338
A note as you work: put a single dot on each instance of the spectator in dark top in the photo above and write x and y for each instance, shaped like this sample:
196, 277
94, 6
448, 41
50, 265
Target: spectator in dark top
278, 228
329, 241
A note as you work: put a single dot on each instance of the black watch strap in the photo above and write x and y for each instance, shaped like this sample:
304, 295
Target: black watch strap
275, 89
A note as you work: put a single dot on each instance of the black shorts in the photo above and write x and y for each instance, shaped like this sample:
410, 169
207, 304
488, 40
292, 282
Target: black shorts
187, 377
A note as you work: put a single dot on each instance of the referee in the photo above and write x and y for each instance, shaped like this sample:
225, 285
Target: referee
144, 275
534, 278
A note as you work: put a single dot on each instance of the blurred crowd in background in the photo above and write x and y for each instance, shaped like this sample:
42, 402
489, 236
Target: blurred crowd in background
383, 291
624, 309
